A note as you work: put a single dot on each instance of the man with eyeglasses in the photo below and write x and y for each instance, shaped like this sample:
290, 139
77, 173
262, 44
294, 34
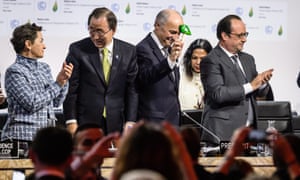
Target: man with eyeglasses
158, 75
231, 82
102, 86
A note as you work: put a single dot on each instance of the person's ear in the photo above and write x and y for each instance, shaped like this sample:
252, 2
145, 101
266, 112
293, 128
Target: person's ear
225, 36
156, 25
28, 45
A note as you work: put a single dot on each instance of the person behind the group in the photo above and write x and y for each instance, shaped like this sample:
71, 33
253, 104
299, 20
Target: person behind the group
102, 86
32, 93
230, 82
85, 137
51, 153
191, 91
158, 75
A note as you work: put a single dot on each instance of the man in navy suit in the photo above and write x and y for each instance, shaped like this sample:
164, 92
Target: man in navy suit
158, 75
107, 100
231, 82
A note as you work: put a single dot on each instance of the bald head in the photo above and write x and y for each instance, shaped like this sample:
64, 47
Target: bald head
166, 26
167, 15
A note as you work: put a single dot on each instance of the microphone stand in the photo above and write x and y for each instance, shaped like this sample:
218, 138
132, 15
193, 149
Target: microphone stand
201, 126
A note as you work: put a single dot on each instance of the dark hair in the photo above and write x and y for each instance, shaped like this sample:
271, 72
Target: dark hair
22, 33
224, 25
191, 138
240, 169
147, 147
198, 43
86, 126
110, 17
53, 145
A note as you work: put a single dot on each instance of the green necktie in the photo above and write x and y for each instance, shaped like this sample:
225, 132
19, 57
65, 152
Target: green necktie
106, 70
105, 64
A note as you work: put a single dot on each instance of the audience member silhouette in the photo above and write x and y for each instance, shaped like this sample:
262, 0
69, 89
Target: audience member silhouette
147, 147
191, 137
85, 136
51, 153
281, 167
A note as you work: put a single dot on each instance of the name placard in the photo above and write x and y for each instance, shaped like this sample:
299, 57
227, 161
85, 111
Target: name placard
9, 150
224, 145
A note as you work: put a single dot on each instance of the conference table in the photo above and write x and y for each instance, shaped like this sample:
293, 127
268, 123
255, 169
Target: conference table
261, 165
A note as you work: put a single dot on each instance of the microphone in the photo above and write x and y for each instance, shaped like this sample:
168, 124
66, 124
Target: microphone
202, 127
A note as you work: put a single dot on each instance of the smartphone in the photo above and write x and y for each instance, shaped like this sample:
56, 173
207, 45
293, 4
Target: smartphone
258, 136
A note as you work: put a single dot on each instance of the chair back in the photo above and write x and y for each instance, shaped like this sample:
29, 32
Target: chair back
278, 111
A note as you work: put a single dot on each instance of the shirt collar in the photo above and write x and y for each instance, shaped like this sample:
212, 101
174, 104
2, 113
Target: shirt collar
109, 47
156, 40
51, 172
229, 54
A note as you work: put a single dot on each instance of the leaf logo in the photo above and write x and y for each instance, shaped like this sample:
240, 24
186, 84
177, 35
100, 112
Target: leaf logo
55, 7
127, 10
183, 11
280, 31
251, 12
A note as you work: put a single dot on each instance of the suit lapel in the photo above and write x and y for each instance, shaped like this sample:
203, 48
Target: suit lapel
159, 56
116, 59
156, 51
228, 62
246, 66
96, 62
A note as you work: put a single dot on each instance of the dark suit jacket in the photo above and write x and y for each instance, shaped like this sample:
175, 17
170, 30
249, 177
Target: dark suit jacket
158, 90
88, 91
226, 105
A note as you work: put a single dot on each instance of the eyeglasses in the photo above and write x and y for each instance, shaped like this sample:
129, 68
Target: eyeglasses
241, 35
99, 32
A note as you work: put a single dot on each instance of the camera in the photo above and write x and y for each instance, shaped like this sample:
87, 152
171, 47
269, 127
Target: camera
258, 136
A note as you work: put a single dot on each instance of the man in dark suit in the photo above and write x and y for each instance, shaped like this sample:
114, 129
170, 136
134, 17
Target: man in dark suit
230, 83
102, 87
158, 75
